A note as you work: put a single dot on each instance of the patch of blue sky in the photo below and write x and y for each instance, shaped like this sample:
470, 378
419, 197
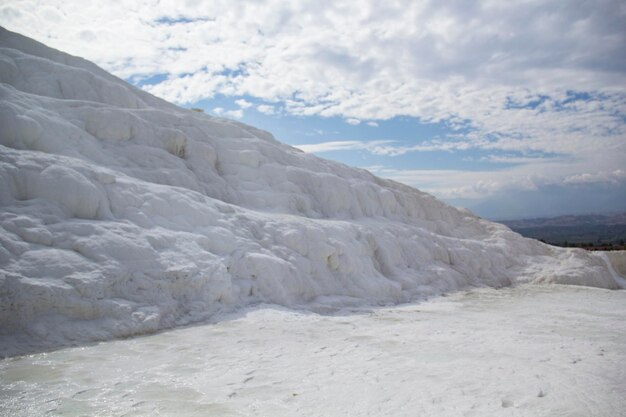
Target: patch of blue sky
166, 20
417, 160
150, 80
538, 102
496, 159
532, 104
234, 72
389, 139
573, 96
298, 130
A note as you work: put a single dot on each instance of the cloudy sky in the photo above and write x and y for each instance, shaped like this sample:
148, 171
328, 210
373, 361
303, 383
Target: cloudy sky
511, 108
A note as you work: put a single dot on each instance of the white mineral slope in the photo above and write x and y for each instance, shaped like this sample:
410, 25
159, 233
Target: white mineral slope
122, 214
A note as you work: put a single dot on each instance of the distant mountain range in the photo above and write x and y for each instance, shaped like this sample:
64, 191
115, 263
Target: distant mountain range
590, 230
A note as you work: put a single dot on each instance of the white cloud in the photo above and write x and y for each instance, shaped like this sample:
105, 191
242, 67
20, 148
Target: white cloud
388, 147
454, 184
220, 111
351, 59
243, 103
372, 124
597, 177
236, 114
353, 122
512, 159
266, 109
345, 145
502, 73
458, 183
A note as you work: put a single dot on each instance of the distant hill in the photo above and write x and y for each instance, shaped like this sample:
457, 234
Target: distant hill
569, 220
593, 230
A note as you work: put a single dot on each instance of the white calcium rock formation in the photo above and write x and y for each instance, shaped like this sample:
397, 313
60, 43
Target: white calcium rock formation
121, 213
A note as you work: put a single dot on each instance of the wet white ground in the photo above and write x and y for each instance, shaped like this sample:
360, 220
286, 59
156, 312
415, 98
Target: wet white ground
528, 351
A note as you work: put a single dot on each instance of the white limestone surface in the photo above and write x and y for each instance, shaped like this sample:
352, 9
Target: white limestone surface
122, 214
528, 351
